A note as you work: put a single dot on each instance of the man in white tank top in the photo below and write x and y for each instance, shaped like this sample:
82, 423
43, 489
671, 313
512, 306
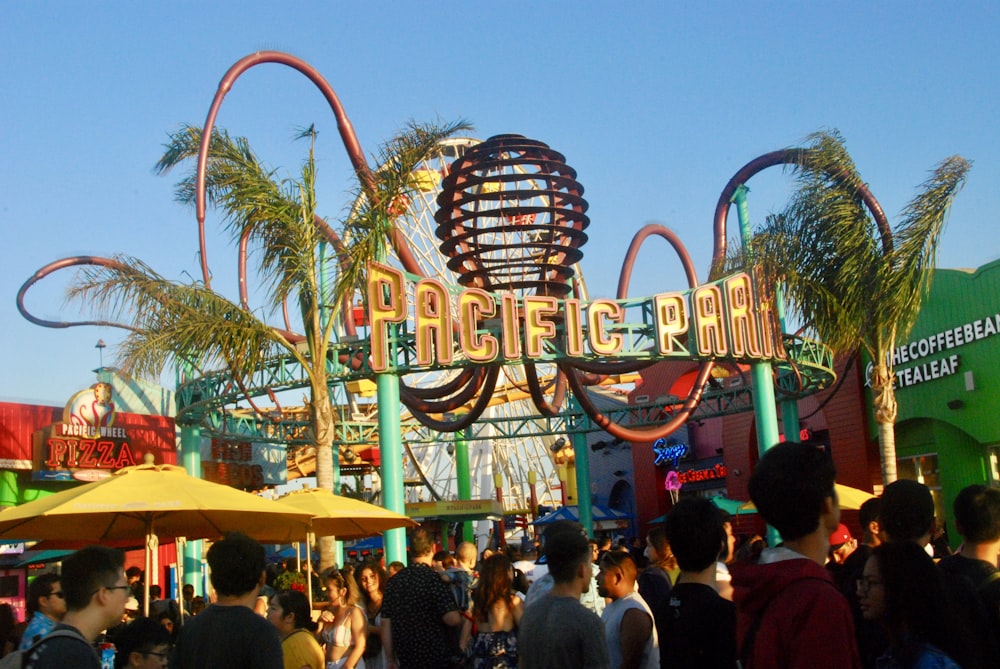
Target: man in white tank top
628, 622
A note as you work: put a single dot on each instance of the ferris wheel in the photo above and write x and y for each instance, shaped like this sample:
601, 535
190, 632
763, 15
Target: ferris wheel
429, 457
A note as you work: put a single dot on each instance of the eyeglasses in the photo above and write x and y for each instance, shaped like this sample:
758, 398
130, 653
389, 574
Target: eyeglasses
57, 593
112, 587
865, 584
163, 656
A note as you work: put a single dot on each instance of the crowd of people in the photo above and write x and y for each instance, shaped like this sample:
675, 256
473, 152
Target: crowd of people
686, 597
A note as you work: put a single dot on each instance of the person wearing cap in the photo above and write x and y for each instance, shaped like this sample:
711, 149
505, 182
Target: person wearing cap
842, 544
789, 612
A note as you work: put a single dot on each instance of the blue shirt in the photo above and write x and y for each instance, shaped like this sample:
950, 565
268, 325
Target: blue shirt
39, 626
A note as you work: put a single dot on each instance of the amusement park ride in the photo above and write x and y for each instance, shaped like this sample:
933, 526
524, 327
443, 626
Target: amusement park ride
471, 357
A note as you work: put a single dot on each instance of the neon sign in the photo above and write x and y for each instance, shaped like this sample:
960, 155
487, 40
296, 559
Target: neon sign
720, 319
665, 452
693, 475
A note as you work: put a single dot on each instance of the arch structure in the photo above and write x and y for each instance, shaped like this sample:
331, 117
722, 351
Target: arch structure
508, 317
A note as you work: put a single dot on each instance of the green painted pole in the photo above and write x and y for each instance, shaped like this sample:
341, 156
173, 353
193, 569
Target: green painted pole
391, 451
581, 454
464, 477
191, 460
790, 406
762, 380
9, 489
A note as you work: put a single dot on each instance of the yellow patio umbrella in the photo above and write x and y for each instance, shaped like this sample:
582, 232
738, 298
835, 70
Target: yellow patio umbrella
139, 502
849, 498
341, 517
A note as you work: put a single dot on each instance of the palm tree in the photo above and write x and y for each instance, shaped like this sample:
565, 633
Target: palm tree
849, 277
172, 323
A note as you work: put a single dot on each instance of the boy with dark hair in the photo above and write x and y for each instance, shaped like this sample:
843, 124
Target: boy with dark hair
696, 626
141, 643
95, 589
557, 631
789, 612
418, 612
977, 519
228, 634
907, 512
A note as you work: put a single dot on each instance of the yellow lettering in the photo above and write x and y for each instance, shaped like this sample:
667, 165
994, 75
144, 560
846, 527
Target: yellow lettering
537, 328
671, 318
708, 321
475, 304
432, 322
510, 325
386, 305
574, 328
743, 330
603, 342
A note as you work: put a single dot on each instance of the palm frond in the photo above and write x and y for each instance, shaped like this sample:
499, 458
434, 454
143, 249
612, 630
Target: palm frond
369, 227
174, 323
916, 240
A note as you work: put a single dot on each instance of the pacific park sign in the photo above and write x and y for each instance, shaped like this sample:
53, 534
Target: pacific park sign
723, 319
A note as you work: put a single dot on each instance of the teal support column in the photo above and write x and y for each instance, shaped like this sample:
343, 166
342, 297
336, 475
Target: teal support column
584, 500
391, 451
761, 377
464, 477
191, 460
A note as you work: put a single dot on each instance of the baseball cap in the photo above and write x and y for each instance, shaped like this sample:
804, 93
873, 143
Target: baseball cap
840, 536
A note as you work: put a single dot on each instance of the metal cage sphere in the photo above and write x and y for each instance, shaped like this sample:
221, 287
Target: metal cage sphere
511, 216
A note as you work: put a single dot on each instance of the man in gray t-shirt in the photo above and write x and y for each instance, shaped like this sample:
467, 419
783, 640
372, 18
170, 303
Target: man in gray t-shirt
557, 631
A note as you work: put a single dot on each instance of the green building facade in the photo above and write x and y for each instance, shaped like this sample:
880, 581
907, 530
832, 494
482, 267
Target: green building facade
948, 387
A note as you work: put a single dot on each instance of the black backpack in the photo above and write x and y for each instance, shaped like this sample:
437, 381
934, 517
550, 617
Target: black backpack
18, 659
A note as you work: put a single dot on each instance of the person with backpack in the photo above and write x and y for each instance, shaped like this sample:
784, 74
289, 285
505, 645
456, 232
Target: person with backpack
789, 614
95, 589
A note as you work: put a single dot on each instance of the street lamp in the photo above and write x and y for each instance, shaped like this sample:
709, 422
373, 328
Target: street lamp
100, 346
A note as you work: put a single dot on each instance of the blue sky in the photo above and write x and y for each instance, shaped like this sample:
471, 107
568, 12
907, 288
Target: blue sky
655, 106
